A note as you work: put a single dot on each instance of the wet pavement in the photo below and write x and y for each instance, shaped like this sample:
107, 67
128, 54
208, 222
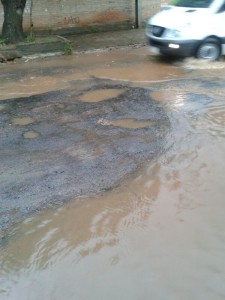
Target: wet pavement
107, 40
58, 140
63, 148
122, 156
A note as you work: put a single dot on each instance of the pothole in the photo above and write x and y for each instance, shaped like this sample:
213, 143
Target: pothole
100, 95
167, 96
2, 107
30, 134
22, 121
127, 123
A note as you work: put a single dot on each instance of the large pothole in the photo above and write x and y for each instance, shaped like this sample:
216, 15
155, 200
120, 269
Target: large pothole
68, 151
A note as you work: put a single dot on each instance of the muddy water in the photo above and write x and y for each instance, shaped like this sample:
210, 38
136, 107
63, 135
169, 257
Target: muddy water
100, 95
60, 72
30, 77
30, 134
22, 121
159, 236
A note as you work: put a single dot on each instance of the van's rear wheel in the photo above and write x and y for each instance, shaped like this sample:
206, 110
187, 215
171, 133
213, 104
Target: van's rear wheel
209, 50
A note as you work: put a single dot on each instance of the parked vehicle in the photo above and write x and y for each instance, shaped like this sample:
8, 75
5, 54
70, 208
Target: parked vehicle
189, 28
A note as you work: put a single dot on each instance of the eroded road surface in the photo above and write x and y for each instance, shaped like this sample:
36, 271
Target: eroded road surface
112, 177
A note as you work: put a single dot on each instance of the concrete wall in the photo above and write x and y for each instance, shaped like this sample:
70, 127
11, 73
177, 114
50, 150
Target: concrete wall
65, 16
148, 8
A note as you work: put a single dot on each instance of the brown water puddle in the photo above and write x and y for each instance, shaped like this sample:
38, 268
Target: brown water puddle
116, 65
30, 134
30, 86
138, 73
22, 121
197, 64
134, 65
160, 235
175, 96
127, 123
100, 95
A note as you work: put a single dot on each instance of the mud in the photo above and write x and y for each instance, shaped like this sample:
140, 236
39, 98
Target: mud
126, 170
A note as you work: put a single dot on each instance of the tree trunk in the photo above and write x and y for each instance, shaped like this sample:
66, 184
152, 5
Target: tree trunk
12, 30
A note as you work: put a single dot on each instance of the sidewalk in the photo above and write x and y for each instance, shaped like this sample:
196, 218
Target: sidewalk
101, 40
78, 42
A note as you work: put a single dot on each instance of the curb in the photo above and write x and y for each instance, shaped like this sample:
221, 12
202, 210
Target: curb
42, 46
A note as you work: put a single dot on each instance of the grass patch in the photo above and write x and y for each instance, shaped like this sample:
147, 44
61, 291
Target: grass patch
2, 42
29, 38
93, 29
67, 49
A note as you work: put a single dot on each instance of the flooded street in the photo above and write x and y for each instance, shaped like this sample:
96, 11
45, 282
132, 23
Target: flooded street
157, 232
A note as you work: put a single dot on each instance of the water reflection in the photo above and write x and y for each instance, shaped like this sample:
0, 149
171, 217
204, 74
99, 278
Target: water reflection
160, 236
83, 227
175, 96
215, 117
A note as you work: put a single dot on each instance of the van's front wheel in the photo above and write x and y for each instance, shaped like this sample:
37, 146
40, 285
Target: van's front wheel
209, 50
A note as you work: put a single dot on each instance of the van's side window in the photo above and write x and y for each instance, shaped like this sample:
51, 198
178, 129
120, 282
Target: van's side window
222, 8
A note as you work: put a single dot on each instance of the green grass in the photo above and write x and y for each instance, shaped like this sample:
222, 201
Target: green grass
67, 49
2, 42
93, 29
29, 38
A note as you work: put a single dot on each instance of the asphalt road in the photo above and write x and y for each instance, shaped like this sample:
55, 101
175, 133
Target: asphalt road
56, 147
71, 152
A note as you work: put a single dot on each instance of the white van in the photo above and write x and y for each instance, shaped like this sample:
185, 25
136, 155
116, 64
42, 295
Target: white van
189, 28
